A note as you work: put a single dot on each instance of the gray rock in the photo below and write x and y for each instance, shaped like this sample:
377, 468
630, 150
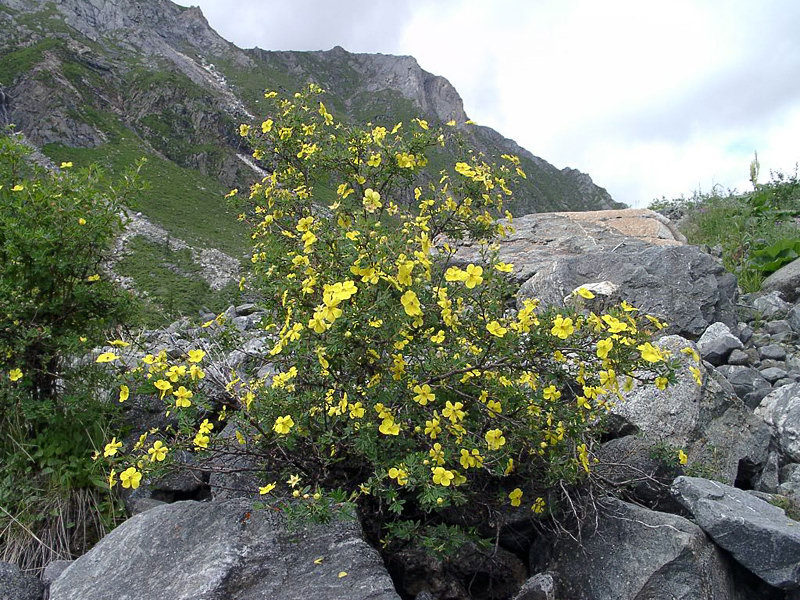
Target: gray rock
16, 585
54, 570
759, 535
761, 338
744, 332
680, 284
785, 280
738, 357
768, 480
709, 422
794, 318
244, 310
780, 409
717, 342
773, 352
790, 480
773, 374
754, 398
541, 586
637, 553
778, 327
783, 381
771, 305
743, 379
225, 551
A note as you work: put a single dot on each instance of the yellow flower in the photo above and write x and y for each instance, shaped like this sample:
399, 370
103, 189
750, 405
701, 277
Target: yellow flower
661, 383
65, 165
584, 293
698, 376
195, 356
158, 452
432, 428
107, 357
682, 458
423, 394
283, 425
17, 188
374, 160
112, 478
453, 411
201, 440
538, 506
112, 447
130, 478
389, 427
551, 393
504, 267
81, 221
474, 276
164, 386
650, 353
438, 337
266, 126
496, 329
399, 474
372, 200
244, 130
118, 343
15, 374
562, 328
124, 393
293, 480
516, 497
604, 347
411, 304
442, 476
494, 439
267, 488
689, 351
182, 396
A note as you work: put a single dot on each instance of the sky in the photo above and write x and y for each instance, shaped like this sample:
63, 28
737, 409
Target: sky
652, 99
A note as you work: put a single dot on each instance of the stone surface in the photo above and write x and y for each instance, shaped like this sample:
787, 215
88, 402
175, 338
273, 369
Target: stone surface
772, 351
16, 585
780, 409
790, 480
771, 305
541, 586
785, 280
638, 554
743, 379
715, 428
738, 357
758, 535
717, 342
773, 374
225, 551
54, 570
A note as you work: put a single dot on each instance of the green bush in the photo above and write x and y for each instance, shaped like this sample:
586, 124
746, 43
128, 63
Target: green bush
56, 229
404, 380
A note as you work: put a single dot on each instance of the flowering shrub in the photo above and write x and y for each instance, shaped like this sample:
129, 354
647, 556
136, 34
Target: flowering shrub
403, 379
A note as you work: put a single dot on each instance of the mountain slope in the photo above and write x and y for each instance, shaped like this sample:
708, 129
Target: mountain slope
131, 76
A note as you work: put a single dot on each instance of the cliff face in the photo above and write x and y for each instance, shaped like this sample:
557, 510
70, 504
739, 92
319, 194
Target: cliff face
151, 74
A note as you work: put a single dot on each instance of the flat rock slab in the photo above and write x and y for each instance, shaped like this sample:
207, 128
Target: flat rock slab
780, 409
226, 551
758, 535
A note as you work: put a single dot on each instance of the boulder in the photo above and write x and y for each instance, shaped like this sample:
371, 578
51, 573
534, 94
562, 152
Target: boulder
716, 430
16, 585
780, 409
745, 381
636, 553
790, 481
785, 280
771, 306
541, 586
717, 342
759, 536
225, 551
553, 253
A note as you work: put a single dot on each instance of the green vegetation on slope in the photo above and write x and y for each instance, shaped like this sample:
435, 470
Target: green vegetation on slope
757, 231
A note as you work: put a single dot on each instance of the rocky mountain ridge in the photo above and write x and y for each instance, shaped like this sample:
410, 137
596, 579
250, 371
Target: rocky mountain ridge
84, 73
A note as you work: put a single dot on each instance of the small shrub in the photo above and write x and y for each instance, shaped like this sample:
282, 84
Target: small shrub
404, 380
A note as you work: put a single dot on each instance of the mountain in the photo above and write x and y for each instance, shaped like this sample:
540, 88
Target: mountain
109, 81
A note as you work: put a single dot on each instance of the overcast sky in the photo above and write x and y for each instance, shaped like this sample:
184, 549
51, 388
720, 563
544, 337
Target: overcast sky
650, 98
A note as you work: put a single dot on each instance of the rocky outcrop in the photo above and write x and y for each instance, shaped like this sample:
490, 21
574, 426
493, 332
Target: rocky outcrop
225, 551
16, 585
785, 280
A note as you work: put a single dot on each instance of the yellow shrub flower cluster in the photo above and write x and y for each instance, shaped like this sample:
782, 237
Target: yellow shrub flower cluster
397, 365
